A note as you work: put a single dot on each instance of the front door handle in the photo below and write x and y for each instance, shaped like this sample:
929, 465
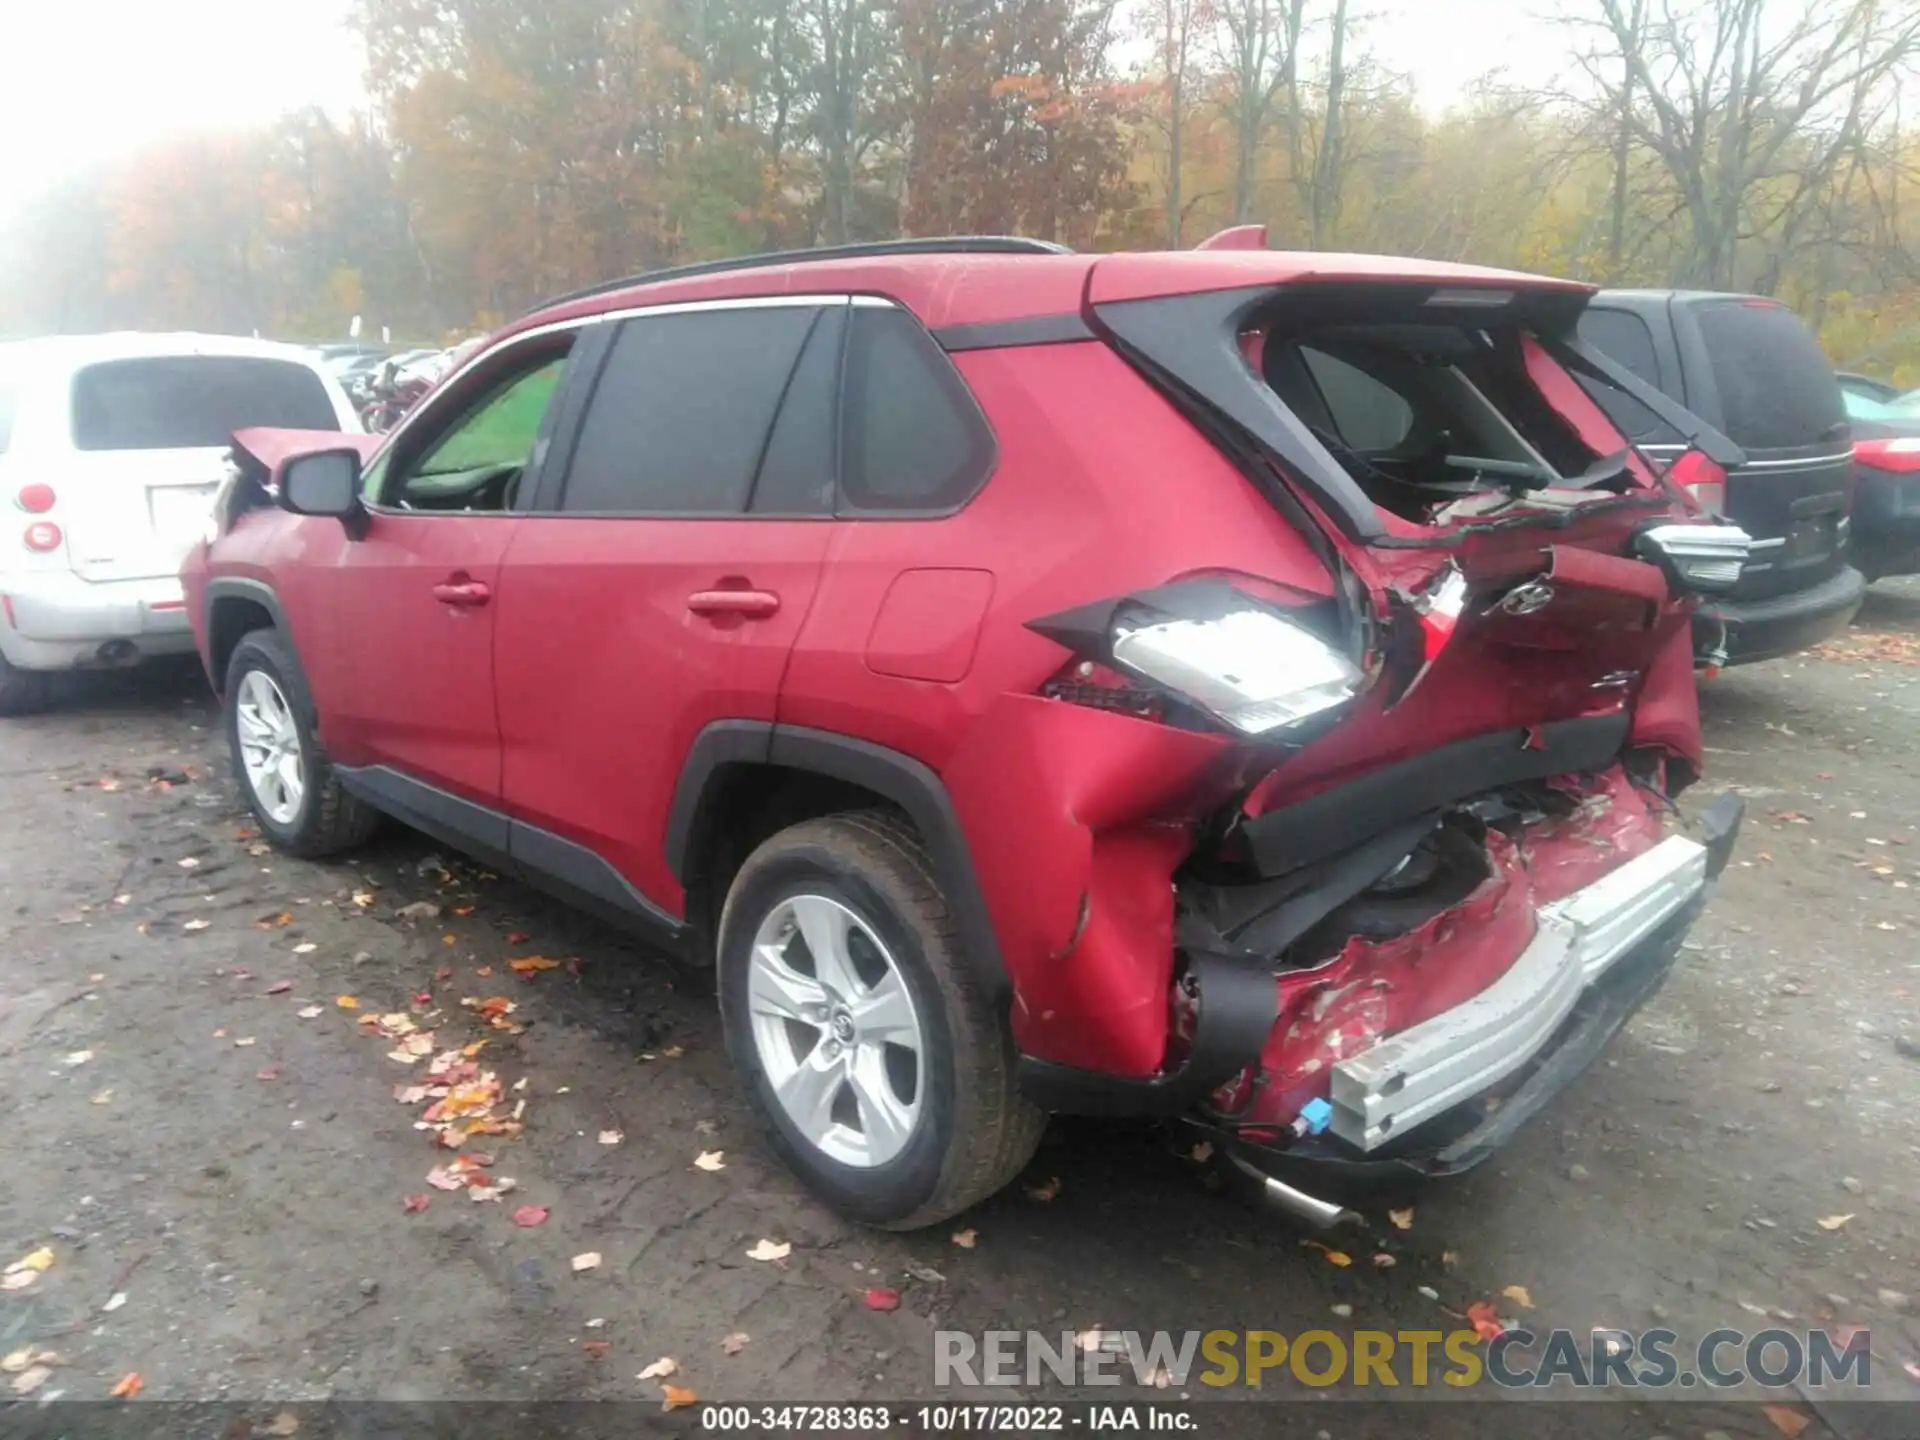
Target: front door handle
754, 604
464, 594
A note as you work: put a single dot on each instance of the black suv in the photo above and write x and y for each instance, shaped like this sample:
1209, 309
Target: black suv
1750, 368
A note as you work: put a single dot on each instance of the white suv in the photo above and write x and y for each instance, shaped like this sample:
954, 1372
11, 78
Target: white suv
111, 450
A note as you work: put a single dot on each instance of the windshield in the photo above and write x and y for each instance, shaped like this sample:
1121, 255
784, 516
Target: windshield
182, 402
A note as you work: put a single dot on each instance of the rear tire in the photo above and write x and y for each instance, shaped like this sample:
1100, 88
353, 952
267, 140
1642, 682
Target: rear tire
23, 692
321, 818
966, 1130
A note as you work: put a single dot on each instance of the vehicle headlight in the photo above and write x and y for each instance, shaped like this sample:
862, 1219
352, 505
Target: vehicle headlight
1248, 668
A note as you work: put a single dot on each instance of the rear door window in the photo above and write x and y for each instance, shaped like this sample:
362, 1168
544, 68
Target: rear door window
683, 411
179, 402
1776, 385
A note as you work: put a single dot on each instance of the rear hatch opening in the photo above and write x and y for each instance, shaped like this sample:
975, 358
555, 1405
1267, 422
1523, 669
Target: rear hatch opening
1443, 405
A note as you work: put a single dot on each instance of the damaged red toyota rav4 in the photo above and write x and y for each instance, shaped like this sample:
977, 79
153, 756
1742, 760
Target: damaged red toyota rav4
1236, 686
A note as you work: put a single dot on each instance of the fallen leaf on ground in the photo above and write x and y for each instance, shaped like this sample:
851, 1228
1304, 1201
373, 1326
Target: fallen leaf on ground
196, 925
1045, 1190
189, 863
305, 947
769, 1250
18, 1279
710, 1160
347, 1002
244, 1041
1485, 1321
518, 938
596, 1348
28, 1381
1788, 1422
587, 1261
1383, 1261
1402, 1219
103, 1098
611, 1137
445, 972
308, 1012
531, 964
881, 1298
114, 1301
76, 1057
736, 1342
27, 1358
673, 1052
676, 1398
129, 1387
280, 987
444, 1177
528, 1216
267, 1072
1334, 1257
284, 1424
659, 1370
966, 1239
414, 1204
1201, 1153
33, 1262
1518, 1294
1833, 1222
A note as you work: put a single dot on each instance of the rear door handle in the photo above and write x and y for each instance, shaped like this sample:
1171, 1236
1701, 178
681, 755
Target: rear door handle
754, 604
466, 594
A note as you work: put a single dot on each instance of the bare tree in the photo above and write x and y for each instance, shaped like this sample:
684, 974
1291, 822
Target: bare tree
1738, 104
1173, 23
1257, 42
1316, 132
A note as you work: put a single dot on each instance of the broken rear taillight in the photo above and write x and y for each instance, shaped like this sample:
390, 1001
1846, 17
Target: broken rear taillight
1703, 479
1900, 455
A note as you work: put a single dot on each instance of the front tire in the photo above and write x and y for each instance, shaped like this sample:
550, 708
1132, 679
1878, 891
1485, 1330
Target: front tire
281, 768
871, 1051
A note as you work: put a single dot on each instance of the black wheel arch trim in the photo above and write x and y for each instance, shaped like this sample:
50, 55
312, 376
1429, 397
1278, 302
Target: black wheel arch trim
896, 777
239, 587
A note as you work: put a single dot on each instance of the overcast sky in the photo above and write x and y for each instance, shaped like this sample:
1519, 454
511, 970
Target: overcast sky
84, 79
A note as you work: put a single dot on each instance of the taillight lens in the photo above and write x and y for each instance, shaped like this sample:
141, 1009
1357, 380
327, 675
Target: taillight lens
1706, 481
35, 499
1901, 456
43, 535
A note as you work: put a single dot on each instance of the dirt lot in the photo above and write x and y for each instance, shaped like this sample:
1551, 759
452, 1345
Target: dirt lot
200, 1127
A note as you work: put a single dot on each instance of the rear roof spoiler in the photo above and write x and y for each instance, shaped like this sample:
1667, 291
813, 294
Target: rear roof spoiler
1582, 359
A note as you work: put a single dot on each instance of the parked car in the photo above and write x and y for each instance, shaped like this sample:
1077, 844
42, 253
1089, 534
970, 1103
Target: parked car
1750, 368
112, 447
1866, 387
1239, 686
1886, 497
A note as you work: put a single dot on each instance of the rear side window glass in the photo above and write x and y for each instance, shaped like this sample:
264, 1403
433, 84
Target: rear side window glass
1369, 415
1776, 386
1624, 338
179, 402
682, 411
912, 437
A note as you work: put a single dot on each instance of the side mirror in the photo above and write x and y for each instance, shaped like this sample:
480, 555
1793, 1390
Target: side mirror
327, 483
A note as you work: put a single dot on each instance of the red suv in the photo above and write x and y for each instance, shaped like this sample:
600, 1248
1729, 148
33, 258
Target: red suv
1230, 685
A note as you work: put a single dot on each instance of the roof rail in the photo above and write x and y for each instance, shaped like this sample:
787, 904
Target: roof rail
935, 245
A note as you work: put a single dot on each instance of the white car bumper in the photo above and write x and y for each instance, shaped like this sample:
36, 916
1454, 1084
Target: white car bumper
54, 620
1385, 1091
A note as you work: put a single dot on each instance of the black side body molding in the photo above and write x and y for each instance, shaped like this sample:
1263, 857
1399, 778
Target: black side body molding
560, 866
1337, 819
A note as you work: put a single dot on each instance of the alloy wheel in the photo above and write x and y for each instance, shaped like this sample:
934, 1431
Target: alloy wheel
836, 1031
270, 751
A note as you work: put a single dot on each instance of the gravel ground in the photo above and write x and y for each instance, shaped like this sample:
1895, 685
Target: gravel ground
200, 1127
